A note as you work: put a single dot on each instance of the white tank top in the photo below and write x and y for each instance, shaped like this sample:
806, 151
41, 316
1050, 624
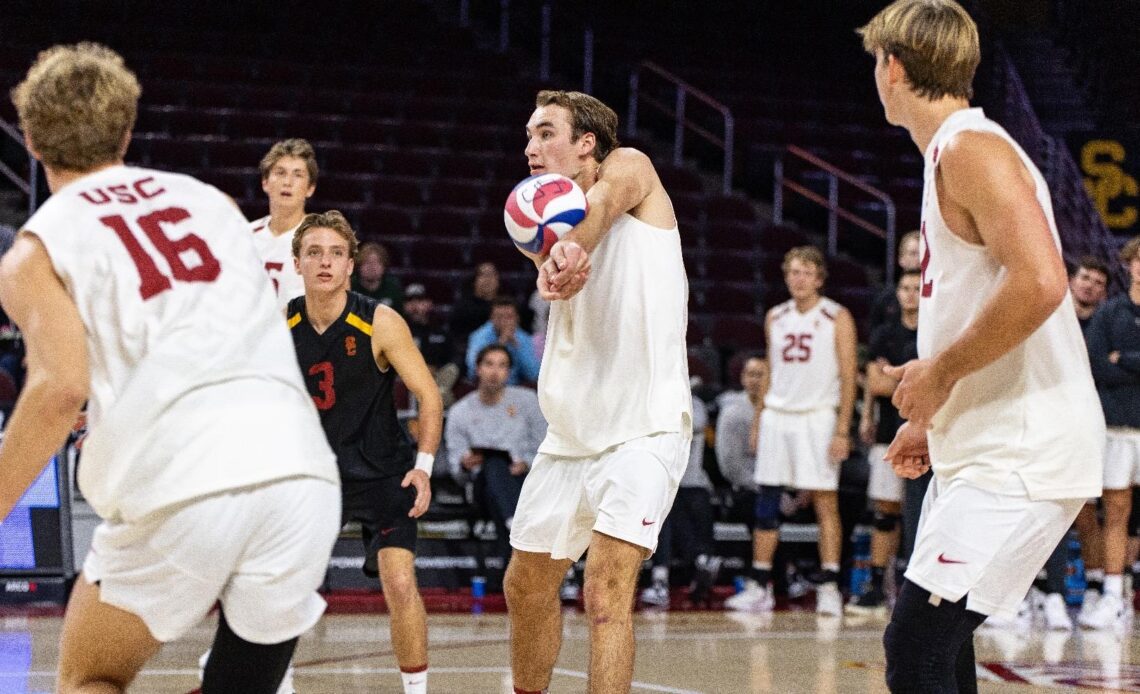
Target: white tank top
615, 366
1034, 412
276, 253
803, 357
195, 387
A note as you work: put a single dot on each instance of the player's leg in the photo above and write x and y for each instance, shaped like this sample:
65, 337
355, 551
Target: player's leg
408, 624
228, 666
612, 567
757, 596
531, 589
102, 647
924, 644
884, 545
829, 601
1109, 609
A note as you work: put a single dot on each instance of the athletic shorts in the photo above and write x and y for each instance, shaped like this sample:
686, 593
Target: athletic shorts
625, 492
262, 551
381, 507
884, 484
1121, 458
986, 545
792, 451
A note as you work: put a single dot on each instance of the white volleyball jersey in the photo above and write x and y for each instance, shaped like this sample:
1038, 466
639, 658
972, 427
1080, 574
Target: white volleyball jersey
1034, 412
276, 251
615, 366
803, 358
195, 387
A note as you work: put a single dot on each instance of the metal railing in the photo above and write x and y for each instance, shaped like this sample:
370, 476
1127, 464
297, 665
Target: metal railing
27, 186
676, 110
834, 211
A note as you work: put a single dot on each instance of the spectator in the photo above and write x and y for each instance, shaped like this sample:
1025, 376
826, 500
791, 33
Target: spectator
503, 329
474, 305
432, 339
1089, 285
735, 454
372, 278
689, 524
493, 435
885, 307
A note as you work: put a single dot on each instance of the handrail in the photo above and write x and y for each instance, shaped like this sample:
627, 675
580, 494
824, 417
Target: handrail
831, 202
27, 187
677, 111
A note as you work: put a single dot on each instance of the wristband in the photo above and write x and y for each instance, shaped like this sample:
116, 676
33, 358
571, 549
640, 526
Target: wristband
425, 461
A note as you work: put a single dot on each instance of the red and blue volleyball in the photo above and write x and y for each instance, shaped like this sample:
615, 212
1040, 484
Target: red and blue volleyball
541, 209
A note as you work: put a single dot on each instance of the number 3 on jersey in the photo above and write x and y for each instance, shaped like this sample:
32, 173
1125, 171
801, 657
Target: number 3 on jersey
151, 280
327, 398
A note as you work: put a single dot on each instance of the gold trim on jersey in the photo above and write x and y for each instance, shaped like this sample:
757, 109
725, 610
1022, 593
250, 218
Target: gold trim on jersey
294, 320
359, 323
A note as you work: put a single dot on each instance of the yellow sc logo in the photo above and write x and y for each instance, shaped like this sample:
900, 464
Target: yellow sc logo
1106, 181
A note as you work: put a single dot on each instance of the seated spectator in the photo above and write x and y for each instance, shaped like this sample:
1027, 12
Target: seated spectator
689, 525
372, 278
735, 450
432, 339
492, 436
503, 329
474, 305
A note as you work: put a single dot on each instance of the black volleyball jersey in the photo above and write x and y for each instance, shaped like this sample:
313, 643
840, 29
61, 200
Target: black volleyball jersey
354, 397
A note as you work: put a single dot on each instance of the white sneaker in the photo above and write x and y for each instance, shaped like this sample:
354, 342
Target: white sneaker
753, 598
1019, 622
1109, 612
1088, 606
1055, 614
828, 600
657, 594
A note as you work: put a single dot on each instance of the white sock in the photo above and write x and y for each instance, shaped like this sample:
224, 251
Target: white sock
830, 567
415, 682
1114, 585
762, 565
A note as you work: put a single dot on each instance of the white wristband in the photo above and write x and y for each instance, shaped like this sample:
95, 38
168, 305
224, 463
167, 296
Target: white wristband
425, 462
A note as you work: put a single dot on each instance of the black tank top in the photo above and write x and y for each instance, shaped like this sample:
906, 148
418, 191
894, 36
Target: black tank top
354, 397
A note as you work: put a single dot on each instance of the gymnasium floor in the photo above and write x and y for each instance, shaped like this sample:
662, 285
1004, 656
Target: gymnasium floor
681, 652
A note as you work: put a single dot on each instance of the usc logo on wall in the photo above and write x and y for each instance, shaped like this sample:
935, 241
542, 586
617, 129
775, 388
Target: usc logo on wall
1111, 167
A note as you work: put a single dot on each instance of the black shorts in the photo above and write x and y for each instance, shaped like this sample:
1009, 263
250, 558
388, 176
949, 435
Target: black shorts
381, 507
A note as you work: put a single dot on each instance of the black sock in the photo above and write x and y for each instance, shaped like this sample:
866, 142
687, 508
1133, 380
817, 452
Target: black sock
761, 576
877, 575
827, 576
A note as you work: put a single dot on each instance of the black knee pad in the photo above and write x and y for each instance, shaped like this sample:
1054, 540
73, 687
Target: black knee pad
768, 508
923, 642
237, 665
886, 522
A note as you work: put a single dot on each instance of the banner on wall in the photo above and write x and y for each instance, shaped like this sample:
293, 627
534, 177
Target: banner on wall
1110, 164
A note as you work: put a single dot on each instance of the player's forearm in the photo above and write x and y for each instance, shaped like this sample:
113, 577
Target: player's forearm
1021, 304
44, 414
846, 407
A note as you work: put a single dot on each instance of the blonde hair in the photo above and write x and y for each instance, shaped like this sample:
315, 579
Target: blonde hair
806, 254
1130, 250
935, 40
587, 115
332, 219
293, 147
77, 106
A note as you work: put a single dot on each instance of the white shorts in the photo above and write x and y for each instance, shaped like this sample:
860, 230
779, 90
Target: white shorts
1121, 458
986, 545
793, 450
262, 551
624, 492
884, 484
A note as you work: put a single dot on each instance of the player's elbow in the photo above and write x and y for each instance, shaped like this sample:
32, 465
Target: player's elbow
55, 396
1049, 289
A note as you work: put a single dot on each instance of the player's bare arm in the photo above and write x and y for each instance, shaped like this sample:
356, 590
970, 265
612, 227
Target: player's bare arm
845, 348
987, 197
626, 182
57, 374
392, 345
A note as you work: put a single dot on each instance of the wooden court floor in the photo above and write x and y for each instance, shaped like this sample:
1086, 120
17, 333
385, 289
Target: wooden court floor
680, 652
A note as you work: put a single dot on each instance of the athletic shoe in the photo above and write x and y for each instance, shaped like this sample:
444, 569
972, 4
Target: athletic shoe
656, 594
872, 602
828, 600
1019, 622
752, 599
1055, 614
1088, 605
570, 588
1108, 613
704, 580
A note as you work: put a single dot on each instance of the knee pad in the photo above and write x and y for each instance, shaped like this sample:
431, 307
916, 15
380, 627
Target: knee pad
886, 522
768, 508
228, 667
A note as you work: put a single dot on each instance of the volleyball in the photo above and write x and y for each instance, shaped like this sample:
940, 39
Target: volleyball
541, 209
